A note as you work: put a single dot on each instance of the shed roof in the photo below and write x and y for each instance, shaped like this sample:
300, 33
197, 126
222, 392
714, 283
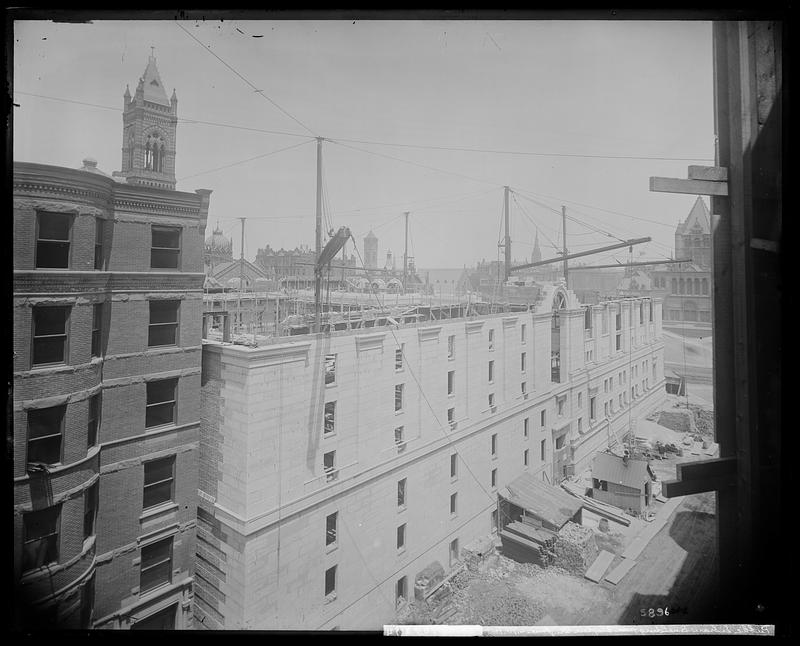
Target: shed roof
541, 499
612, 468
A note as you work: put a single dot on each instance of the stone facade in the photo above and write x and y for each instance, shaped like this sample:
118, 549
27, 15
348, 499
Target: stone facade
269, 553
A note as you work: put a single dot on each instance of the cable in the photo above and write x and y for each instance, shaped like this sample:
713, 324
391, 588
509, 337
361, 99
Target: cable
255, 89
244, 161
520, 152
406, 161
180, 119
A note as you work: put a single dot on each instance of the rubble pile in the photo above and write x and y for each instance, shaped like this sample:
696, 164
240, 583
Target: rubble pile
677, 420
502, 607
703, 418
575, 548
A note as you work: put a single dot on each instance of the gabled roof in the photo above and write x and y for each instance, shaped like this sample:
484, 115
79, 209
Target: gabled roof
153, 87
612, 468
543, 500
226, 270
698, 216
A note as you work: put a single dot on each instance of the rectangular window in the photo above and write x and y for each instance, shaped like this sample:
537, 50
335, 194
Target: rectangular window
580, 423
451, 382
156, 565
605, 408
330, 528
161, 399
45, 430
587, 320
53, 240
330, 369
330, 418
543, 418
491, 339
165, 250
401, 537
401, 493
491, 371
398, 397
522, 331
620, 400
163, 328
40, 536
399, 438
330, 581
89, 510
524, 387
494, 478
453, 552
525, 428
50, 326
580, 400
491, 400
98, 244
401, 593
605, 385
451, 416
159, 479
97, 329
543, 450
525, 457
494, 444
451, 346
522, 361
95, 406
454, 465
398, 357
453, 504
561, 403
329, 465
493, 520
592, 408
560, 442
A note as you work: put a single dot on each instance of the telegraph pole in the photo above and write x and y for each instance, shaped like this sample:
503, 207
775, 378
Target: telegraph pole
564, 241
507, 272
318, 275
405, 256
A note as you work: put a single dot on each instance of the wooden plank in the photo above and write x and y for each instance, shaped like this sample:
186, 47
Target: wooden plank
514, 538
710, 173
616, 575
701, 475
598, 568
690, 186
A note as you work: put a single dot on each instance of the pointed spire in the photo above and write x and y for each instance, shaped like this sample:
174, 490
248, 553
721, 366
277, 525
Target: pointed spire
127, 91
151, 81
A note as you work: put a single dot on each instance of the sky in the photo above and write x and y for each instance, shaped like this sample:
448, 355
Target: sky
568, 98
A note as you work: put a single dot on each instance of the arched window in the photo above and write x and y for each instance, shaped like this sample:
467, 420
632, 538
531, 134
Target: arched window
696, 285
130, 152
148, 155
705, 286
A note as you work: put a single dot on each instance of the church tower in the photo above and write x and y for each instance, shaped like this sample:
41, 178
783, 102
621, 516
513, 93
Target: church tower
536, 256
149, 124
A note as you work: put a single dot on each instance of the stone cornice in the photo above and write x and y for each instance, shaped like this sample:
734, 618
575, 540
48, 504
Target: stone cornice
372, 341
429, 333
252, 358
510, 320
473, 326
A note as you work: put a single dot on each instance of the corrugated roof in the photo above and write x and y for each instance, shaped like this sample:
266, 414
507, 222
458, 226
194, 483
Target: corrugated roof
541, 499
612, 468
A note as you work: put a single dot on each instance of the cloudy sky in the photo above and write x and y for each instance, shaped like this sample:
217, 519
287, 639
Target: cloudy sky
554, 109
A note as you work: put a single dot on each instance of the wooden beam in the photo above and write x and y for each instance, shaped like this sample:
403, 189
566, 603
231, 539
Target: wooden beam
709, 173
699, 476
690, 186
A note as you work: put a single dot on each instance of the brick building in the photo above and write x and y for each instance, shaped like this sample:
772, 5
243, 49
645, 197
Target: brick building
336, 467
107, 300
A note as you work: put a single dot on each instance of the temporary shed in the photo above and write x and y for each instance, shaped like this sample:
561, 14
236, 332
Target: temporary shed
621, 481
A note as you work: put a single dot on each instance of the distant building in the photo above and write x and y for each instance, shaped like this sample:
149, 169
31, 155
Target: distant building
371, 251
107, 294
686, 287
218, 250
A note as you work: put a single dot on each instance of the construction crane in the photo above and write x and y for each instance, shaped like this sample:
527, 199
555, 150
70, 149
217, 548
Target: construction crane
324, 259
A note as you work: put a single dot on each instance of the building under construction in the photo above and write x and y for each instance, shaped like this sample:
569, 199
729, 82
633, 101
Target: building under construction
336, 466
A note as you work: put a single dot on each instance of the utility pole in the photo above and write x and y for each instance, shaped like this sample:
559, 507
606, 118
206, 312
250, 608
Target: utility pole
405, 256
564, 241
318, 275
241, 277
507, 272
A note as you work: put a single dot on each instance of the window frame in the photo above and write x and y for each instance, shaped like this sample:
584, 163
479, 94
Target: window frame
53, 241
98, 309
451, 347
151, 405
330, 360
399, 397
454, 465
451, 383
162, 325
94, 419
402, 493
399, 358
331, 471
178, 251
401, 537
153, 465
99, 238
454, 504
332, 530
329, 419
91, 499
52, 537
331, 579
62, 415
34, 337
152, 566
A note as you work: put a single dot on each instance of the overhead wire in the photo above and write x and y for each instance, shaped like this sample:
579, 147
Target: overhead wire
243, 161
237, 73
